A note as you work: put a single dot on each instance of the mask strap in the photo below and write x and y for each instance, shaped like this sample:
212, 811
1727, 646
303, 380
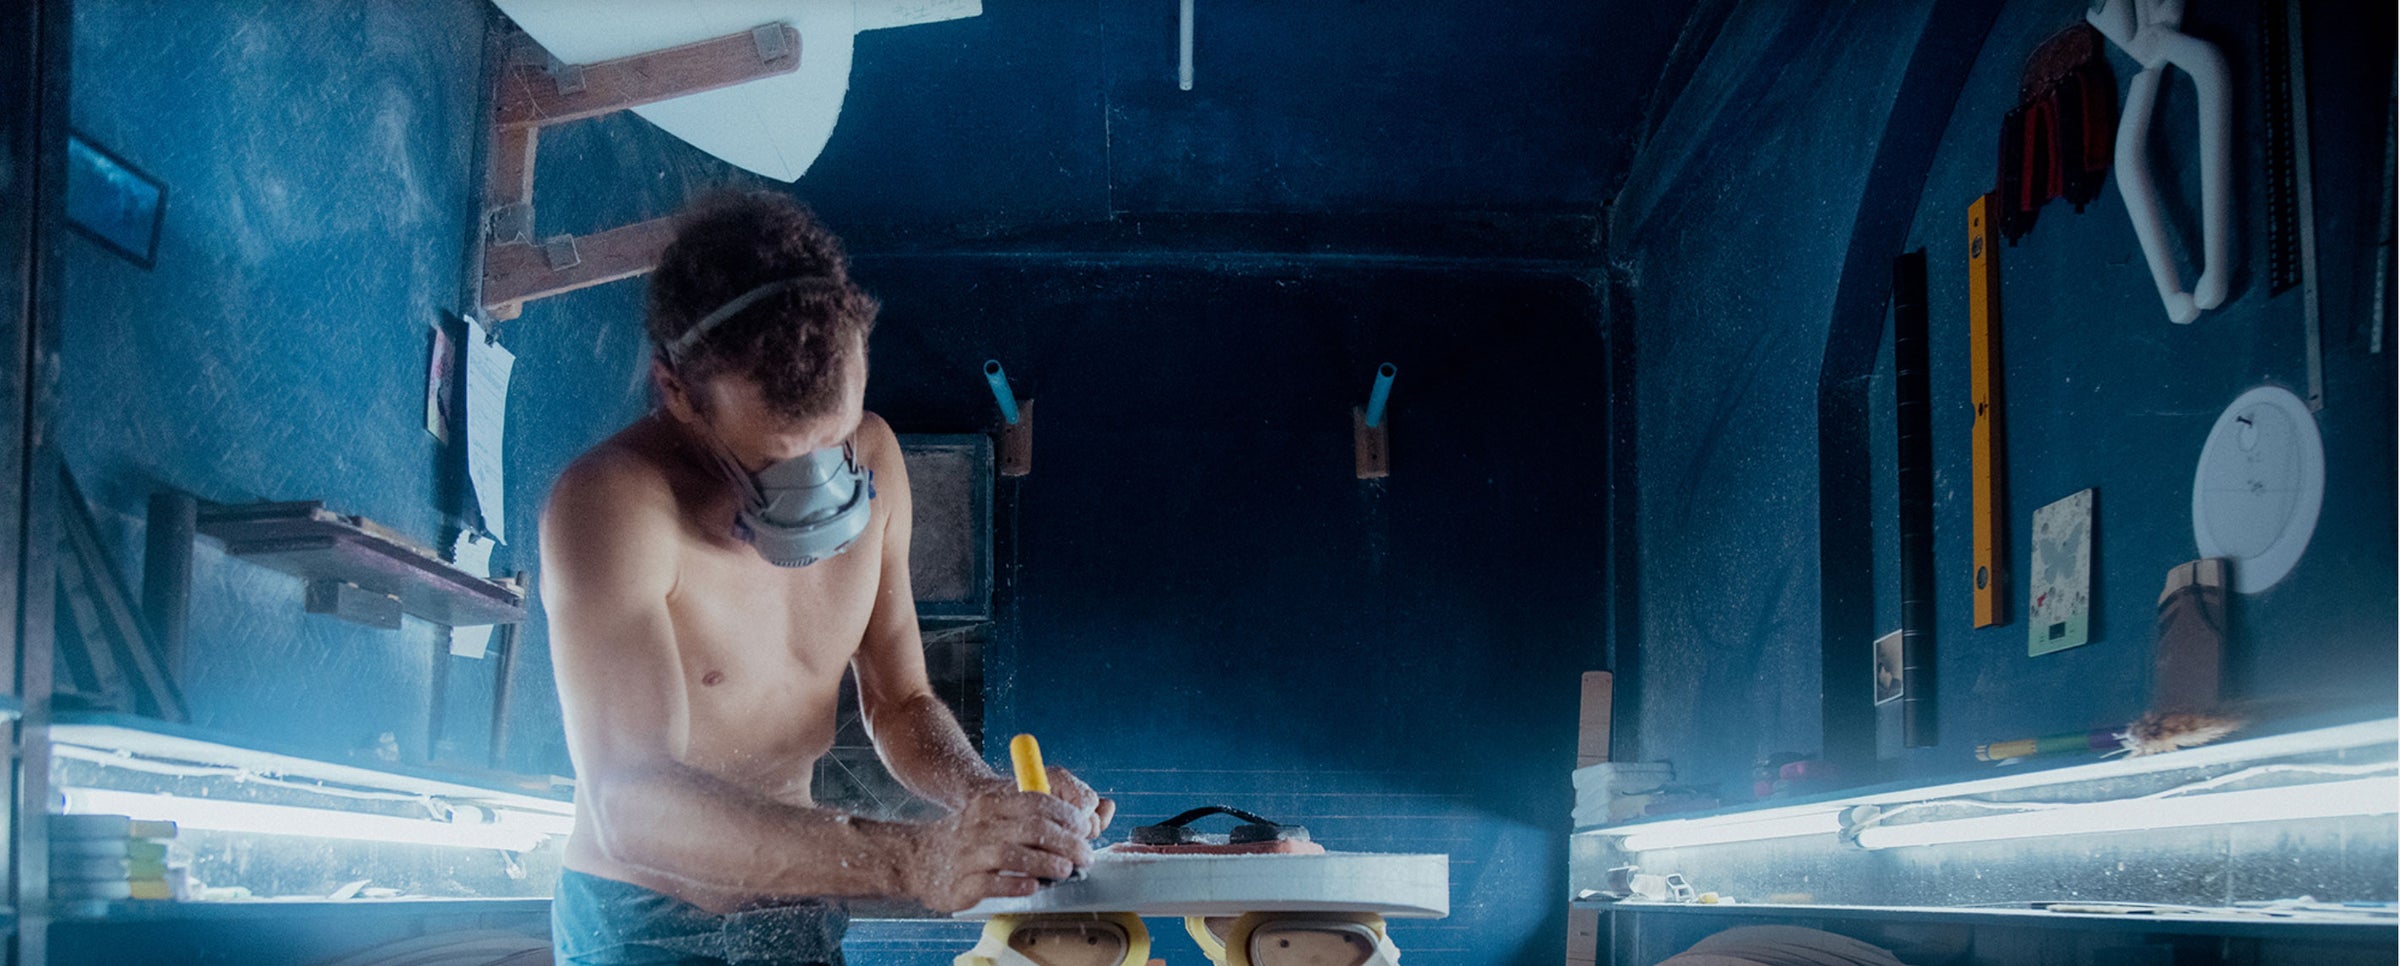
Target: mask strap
691, 338
727, 466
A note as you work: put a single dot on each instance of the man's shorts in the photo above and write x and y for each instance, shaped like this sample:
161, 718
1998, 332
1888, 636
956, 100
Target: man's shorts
604, 922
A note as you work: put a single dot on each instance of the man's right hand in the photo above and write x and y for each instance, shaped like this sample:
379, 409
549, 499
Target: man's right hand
1000, 844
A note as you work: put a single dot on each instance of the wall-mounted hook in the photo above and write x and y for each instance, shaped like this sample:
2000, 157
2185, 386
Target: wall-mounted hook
1006, 397
1016, 434
1381, 394
1368, 434
2148, 31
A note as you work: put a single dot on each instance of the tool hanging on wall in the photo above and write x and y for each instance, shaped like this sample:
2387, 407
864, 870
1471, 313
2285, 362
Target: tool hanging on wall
1989, 441
1913, 420
2058, 141
2291, 193
2189, 667
2148, 32
1370, 439
2185, 686
2101, 740
2259, 486
1015, 452
2383, 243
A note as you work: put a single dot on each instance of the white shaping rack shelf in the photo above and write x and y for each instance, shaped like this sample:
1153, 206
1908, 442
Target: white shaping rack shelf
138, 739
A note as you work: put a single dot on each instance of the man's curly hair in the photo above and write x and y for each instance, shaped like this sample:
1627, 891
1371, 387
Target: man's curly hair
794, 343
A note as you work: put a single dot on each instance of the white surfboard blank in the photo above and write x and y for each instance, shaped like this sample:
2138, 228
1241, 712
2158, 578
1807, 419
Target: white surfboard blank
1405, 886
775, 126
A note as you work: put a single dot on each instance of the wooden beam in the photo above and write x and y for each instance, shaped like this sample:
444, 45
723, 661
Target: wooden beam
510, 179
531, 97
508, 187
515, 274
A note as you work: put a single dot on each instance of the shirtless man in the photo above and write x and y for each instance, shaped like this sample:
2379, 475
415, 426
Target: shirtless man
708, 573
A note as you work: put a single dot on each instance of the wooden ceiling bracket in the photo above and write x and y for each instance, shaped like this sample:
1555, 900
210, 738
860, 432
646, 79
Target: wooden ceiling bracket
536, 91
578, 92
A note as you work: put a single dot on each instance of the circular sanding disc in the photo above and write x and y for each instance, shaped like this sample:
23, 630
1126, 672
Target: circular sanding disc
2259, 486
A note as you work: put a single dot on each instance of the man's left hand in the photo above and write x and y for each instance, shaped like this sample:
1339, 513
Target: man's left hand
1096, 810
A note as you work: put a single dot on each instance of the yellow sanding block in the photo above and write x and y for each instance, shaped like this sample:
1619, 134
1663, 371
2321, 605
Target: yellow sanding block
1026, 754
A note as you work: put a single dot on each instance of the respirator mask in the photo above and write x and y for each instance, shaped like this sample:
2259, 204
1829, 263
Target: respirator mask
797, 511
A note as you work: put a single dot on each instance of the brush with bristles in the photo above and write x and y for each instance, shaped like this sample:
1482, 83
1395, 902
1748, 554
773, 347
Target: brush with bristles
2160, 732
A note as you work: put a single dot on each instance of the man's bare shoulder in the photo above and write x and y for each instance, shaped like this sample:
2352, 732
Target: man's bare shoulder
875, 434
607, 517
878, 446
627, 478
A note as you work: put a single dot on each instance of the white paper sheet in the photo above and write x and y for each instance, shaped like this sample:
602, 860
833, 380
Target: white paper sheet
488, 369
473, 554
471, 642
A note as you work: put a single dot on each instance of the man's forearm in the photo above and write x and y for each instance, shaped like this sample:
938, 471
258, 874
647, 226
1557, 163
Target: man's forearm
923, 746
677, 821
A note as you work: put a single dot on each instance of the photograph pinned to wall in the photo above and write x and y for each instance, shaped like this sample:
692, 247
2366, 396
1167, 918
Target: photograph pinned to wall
2060, 593
114, 203
1887, 668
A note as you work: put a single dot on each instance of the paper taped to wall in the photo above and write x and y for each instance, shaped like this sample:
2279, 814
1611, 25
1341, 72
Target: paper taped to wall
473, 554
488, 369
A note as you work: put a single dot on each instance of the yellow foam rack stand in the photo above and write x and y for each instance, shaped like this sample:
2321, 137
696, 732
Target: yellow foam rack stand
1061, 939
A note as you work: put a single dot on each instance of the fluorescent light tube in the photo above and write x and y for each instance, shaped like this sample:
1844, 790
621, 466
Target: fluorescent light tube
537, 823
1731, 828
216, 815
2320, 800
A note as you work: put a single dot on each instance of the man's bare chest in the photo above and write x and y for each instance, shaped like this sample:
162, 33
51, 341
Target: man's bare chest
734, 612
762, 651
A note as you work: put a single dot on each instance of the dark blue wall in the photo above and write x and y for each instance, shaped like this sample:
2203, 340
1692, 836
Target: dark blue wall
1735, 232
1200, 602
319, 199
1047, 113
1731, 235
321, 191
2104, 392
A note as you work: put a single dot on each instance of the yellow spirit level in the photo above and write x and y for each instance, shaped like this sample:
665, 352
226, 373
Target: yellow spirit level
1991, 477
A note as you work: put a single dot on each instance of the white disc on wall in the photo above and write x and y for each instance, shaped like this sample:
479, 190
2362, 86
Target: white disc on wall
2259, 486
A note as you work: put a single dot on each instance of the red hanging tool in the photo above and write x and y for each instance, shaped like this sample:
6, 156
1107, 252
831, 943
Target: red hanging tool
2058, 141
